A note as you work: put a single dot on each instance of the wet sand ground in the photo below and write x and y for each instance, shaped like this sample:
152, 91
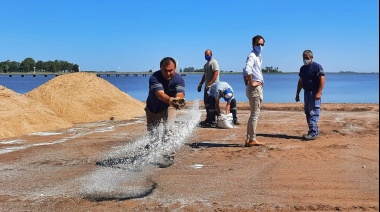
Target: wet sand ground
57, 171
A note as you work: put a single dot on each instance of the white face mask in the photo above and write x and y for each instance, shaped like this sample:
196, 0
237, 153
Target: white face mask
258, 49
306, 62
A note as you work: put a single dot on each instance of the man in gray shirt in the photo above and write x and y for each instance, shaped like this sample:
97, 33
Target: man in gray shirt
210, 75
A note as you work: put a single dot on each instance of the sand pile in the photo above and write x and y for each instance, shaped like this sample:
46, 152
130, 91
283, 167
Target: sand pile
20, 115
83, 97
63, 101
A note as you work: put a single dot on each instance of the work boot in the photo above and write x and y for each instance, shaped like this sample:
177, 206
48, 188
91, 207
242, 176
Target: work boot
308, 137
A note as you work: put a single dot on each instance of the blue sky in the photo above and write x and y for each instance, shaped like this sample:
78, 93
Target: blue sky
134, 35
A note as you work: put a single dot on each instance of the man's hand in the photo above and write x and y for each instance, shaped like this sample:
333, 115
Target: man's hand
199, 87
297, 97
177, 102
256, 83
318, 96
208, 86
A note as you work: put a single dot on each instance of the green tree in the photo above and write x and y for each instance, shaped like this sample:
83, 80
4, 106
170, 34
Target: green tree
4, 67
75, 68
40, 66
9, 66
271, 70
50, 66
27, 64
189, 69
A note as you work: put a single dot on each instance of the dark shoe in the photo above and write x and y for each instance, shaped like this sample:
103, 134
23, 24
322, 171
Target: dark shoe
236, 123
205, 124
308, 137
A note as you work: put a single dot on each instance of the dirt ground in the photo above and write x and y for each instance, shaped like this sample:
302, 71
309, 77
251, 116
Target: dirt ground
59, 170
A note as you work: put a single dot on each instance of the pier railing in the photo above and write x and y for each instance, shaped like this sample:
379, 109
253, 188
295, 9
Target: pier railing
99, 74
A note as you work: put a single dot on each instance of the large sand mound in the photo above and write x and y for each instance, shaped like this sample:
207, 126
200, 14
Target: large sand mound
20, 115
83, 97
63, 101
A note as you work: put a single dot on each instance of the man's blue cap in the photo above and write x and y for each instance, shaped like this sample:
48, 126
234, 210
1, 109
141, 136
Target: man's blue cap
227, 95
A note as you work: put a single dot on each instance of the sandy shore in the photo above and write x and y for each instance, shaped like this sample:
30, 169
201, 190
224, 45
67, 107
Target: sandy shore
57, 170
77, 143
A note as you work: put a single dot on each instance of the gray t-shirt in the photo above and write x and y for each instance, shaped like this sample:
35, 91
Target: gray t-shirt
209, 69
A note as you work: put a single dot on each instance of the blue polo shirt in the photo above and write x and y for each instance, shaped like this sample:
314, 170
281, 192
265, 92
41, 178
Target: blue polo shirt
310, 76
156, 83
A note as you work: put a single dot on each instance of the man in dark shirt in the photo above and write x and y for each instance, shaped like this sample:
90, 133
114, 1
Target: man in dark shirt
312, 81
166, 88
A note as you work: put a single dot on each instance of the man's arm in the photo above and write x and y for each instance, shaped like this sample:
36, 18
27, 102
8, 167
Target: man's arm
202, 80
299, 87
250, 81
216, 73
217, 107
321, 86
201, 83
163, 96
228, 107
180, 95
178, 102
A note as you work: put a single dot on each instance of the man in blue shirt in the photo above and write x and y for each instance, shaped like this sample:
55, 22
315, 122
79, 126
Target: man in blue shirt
218, 90
166, 88
312, 81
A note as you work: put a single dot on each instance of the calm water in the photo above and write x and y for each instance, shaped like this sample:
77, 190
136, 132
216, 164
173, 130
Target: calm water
339, 88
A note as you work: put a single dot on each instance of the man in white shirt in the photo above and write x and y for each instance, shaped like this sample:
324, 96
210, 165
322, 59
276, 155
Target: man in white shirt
254, 81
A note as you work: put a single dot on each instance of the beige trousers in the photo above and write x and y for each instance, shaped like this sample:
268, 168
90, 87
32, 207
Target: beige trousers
255, 97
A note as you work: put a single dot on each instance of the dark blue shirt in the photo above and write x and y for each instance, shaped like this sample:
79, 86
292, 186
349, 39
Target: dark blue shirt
310, 76
156, 83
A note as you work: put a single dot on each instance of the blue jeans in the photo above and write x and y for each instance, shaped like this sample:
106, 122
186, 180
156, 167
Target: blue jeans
312, 109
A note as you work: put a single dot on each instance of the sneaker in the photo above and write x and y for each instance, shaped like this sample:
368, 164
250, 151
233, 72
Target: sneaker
236, 123
308, 137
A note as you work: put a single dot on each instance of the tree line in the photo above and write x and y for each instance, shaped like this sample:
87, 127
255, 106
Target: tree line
30, 65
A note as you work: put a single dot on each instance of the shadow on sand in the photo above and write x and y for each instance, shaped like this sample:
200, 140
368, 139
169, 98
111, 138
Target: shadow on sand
209, 145
280, 136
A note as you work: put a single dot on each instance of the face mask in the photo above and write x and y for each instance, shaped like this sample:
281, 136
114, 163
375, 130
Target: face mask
258, 49
208, 57
306, 62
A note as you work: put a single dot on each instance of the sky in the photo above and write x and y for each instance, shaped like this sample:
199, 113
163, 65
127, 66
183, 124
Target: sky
134, 35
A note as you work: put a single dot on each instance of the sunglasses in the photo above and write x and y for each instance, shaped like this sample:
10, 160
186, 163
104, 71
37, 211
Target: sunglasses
259, 44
